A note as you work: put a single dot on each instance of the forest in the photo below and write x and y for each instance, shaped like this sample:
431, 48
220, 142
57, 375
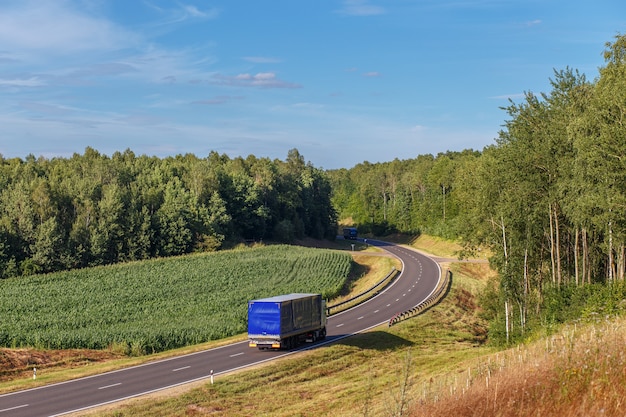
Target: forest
546, 201
92, 209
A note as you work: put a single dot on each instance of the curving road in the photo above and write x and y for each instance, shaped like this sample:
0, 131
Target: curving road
418, 279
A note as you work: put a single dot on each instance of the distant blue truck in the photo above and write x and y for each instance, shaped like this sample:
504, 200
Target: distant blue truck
285, 321
350, 233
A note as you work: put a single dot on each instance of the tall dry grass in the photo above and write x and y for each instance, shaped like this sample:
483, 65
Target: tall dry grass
579, 372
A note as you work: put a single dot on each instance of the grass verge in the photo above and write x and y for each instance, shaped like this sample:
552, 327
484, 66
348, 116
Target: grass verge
377, 373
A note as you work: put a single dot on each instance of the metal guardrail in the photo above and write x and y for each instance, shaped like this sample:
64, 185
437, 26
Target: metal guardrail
364, 296
434, 298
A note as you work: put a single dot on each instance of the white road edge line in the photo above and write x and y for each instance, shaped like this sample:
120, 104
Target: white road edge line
110, 386
14, 408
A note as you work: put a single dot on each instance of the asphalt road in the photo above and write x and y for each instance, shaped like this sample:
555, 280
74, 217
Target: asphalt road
418, 279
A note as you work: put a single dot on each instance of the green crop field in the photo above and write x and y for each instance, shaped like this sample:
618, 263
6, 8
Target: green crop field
161, 304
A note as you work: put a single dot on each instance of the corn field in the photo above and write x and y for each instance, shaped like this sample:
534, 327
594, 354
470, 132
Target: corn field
155, 305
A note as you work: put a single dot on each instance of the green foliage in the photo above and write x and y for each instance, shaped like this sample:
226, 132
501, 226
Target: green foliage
155, 305
559, 305
93, 209
406, 196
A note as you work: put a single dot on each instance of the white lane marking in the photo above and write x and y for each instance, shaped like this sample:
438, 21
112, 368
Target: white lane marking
236, 354
376, 311
180, 369
339, 325
404, 295
110, 386
390, 304
14, 408
397, 299
360, 318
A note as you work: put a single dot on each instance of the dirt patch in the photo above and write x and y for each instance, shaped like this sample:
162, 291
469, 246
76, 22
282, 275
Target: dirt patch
19, 363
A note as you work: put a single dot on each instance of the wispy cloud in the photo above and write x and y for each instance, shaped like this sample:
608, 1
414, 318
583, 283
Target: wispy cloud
261, 59
22, 82
193, 11
508, 96
532, 23
372, 74
260, 80
54, 28
360, 8
314, 106
218, 100
183, 12
45, 109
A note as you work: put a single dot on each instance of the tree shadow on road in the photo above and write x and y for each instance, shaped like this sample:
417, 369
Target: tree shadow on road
377, 340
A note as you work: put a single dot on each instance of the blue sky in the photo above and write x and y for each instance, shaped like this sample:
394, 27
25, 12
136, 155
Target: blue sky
343, 81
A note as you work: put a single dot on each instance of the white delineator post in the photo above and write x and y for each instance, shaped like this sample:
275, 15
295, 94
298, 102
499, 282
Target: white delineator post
211, 376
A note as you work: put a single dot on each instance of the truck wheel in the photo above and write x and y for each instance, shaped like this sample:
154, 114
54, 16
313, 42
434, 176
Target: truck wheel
323, 333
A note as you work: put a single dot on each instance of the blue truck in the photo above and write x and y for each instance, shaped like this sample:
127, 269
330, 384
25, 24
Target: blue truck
350, 233
285, 321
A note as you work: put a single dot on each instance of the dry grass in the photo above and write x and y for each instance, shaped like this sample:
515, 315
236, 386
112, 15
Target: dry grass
369, 270
429, 244
580, 372
19, 363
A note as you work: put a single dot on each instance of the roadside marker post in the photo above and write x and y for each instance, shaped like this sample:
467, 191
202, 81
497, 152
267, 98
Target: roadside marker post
211, 376
34, 373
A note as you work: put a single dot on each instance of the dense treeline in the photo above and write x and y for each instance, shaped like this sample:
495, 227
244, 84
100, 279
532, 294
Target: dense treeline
548, 199
408, 196
92, 209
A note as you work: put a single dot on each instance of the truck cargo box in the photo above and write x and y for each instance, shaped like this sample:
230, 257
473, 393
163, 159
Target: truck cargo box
280, 321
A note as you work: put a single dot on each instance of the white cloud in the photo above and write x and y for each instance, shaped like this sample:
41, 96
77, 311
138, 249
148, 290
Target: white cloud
195, 12
360, 8
183, 12
508, 96
22, 82
261, 60
533, 23
310, 106
261, 80
55, 27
